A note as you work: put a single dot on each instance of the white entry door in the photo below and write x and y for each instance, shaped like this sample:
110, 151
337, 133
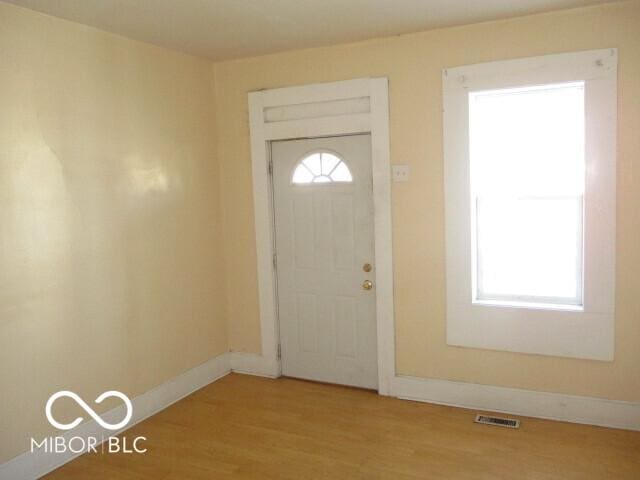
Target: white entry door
325, 259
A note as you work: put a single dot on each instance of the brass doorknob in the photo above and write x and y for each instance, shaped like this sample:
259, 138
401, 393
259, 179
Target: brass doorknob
367, 285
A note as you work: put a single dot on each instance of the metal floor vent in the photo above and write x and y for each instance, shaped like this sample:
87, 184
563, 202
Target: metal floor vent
500, 422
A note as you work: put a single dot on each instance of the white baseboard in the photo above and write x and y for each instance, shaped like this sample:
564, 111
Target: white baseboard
28, 466
254, 364
528, 403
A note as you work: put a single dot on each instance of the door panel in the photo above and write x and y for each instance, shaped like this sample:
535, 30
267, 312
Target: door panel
324, 236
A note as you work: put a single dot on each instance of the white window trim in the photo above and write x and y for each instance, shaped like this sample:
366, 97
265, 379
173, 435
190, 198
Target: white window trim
556, 330
320, 110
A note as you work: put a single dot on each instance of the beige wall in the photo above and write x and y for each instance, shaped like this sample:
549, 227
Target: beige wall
413, 64
110, 248
116, 203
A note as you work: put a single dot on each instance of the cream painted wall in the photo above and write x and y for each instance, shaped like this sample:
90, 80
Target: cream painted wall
116, 203
110, 247
413, 64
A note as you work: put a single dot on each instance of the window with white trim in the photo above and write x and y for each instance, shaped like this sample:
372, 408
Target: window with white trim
530, 204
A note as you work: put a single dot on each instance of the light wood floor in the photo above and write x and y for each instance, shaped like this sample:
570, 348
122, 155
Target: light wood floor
245, 427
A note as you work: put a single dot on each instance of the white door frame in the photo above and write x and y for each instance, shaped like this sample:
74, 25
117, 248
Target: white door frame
321, 110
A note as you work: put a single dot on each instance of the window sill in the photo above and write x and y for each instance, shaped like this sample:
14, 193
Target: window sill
529, 305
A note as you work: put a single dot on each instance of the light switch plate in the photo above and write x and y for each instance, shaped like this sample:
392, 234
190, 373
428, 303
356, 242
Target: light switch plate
400, 173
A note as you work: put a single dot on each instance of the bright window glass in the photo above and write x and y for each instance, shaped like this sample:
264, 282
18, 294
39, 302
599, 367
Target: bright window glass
527, 159
321, 167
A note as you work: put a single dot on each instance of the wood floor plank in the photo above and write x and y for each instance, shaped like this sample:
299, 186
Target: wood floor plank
244, 427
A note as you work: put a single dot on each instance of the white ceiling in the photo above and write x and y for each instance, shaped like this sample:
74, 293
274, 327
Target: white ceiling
224, 29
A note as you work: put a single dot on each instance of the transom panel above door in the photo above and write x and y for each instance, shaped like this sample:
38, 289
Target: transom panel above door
325, 259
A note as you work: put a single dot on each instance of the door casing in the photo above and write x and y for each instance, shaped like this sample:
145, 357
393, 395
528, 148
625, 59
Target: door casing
310, 111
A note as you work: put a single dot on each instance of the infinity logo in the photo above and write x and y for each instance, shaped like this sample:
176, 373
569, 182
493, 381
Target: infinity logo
89, 410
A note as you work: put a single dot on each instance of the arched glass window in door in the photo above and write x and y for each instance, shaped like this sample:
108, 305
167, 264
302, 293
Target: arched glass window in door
321, 167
